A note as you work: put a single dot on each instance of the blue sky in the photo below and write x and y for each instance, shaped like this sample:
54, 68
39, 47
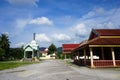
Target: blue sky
56, 21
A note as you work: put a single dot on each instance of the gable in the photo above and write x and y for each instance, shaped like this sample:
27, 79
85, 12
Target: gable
93, 34
28, 48
104, 32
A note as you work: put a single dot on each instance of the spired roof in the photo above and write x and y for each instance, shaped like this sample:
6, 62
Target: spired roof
33, 45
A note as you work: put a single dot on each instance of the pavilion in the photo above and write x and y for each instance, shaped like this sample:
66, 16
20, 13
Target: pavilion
103, 43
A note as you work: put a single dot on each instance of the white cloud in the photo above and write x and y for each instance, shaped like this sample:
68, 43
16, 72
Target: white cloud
80, 28
41, 21
99, 10
98, 19
21, 23
7, 33
23, 2
42, 38
94, 13
20, 44
61, 37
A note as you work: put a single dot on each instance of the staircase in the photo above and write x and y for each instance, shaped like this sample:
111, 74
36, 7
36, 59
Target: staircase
26, 59
29, 59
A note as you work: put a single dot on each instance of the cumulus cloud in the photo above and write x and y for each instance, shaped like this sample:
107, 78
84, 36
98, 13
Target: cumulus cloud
21, 23
61, 37
23, 2
80, 30
42, 38
41, 21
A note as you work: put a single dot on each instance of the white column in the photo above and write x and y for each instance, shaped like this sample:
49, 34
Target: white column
113, 57
91, 58
78, 54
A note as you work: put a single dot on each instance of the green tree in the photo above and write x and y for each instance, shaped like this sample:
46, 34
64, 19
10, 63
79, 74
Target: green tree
60, 55
52, 49
2, 53
16, 53
4, 45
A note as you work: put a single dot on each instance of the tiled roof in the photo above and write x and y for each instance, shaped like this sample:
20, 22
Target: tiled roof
108, 32
69, 47
64, 46
100, 39
104, 41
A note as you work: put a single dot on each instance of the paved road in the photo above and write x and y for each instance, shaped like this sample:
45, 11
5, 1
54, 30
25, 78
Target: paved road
58, 70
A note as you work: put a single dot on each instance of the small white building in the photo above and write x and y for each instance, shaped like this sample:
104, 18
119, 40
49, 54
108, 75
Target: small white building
46, 56
31, 50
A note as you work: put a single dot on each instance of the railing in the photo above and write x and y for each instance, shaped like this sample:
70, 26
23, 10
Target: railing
98, 63
88, 62
103, 63
79, 62
117, 62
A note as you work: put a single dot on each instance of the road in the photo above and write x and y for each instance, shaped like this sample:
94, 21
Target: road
58, 70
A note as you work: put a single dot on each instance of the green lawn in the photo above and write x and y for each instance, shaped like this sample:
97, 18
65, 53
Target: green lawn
12, 64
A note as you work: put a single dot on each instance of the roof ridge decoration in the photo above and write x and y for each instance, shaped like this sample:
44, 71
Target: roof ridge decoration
95, 31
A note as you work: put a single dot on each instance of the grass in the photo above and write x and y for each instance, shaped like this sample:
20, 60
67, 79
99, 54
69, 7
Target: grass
12, 64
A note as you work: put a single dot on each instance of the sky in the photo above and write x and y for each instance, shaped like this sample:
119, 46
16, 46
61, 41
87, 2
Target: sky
56, 21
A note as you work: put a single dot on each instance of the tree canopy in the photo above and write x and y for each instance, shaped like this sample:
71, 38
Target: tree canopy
4, 46
52, 49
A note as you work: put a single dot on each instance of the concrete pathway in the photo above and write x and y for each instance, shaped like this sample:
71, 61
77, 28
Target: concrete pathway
58, 70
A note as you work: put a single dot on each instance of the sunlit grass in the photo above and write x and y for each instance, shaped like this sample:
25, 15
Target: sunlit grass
12, 64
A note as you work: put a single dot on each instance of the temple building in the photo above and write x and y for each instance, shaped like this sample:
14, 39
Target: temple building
31, 51
67, 48
102, 43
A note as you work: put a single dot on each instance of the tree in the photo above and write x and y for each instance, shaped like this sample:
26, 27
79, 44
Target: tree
16, 53
4, 45
52, 49
2, 53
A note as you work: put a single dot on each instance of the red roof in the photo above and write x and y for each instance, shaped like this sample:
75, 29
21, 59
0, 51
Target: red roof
96, 40
104, 41
108, 32
67, 48
69, 45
